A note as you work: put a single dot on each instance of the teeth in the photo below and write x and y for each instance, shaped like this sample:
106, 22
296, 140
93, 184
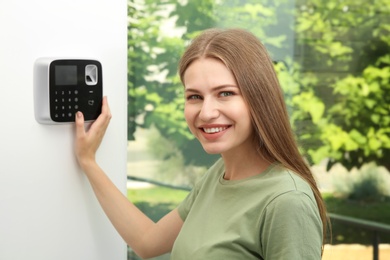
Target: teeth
214, 130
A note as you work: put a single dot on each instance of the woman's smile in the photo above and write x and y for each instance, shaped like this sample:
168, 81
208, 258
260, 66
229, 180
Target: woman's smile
214, 130
213, 133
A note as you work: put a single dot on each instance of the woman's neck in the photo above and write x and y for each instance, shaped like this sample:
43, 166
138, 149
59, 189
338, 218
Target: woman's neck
244, 165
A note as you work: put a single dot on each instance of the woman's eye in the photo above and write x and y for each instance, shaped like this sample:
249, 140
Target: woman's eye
193, 97
226, 94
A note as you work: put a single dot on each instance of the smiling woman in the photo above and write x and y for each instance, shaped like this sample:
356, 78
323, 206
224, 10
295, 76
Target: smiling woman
249, 127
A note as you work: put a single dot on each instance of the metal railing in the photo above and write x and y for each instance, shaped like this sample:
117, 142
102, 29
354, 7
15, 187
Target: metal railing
375, 227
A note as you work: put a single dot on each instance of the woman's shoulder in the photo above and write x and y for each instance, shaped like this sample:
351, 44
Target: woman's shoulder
286, 179
282, 181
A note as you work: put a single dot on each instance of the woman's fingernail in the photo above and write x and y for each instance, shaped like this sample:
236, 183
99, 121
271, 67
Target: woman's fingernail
79, 114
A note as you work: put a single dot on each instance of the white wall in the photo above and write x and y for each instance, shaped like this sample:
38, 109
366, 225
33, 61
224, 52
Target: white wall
47, 208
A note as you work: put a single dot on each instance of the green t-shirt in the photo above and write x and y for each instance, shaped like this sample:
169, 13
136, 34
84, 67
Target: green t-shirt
272, 216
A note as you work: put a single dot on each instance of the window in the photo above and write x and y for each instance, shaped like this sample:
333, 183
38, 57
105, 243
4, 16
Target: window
332, 61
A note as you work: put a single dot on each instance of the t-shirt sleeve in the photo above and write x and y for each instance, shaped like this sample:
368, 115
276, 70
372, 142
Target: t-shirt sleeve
291, 228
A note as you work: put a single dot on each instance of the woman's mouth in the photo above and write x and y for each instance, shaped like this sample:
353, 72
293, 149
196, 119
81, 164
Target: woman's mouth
213, 130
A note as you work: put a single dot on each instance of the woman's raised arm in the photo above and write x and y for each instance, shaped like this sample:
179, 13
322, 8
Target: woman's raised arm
145, 237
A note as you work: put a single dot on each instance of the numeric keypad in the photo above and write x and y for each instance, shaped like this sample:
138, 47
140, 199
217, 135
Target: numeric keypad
66, 103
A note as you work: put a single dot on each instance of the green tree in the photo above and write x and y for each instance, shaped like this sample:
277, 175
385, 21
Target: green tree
345, 104
154, 92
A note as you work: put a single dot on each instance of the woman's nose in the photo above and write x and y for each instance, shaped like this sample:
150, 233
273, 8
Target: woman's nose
209, 110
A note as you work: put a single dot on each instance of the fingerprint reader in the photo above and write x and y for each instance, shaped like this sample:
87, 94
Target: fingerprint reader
91, 74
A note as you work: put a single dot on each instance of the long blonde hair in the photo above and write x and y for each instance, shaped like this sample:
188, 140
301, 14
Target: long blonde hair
246, 57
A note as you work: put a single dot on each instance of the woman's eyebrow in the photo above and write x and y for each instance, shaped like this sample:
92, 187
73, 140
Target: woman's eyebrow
190, 90
213, 88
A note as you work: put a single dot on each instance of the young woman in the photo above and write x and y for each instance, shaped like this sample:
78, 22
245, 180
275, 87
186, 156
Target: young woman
260, 200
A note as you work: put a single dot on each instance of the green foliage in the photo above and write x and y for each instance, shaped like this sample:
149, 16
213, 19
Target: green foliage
194, 15
366, 122
348, 106
154, 90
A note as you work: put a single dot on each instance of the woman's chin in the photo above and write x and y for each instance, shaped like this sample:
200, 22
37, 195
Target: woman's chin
211, 150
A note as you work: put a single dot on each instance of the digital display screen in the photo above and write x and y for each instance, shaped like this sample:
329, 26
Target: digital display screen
66, 75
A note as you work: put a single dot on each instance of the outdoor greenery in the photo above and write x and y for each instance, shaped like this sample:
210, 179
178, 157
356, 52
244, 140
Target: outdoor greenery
348, 43
336, 75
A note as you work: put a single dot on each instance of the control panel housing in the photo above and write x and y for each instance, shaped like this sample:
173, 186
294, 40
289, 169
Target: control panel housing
64, 86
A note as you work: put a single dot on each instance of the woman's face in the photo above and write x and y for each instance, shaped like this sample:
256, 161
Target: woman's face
215, 110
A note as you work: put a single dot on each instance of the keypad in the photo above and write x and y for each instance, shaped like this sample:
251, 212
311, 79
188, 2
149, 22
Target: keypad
66, 104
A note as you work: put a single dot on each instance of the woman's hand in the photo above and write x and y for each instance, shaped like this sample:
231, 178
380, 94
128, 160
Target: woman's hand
88, 141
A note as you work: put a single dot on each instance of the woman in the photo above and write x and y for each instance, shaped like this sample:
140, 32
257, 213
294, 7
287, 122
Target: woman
260, 200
